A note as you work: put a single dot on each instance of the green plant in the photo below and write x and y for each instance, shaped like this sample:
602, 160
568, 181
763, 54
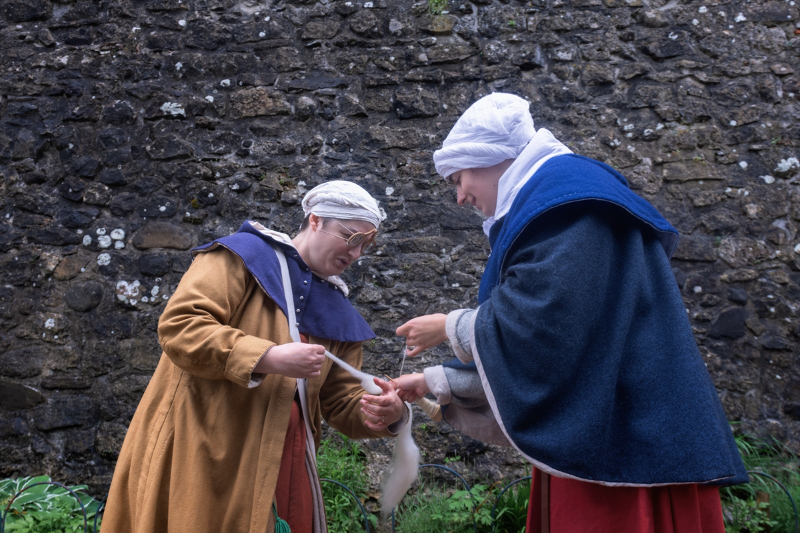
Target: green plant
771, 457
433, 509
343, 463
452, 459
466, 506
437, 509
436, 7
61, 518
512, 508
512, 23
426, 511
749, 516
45, 508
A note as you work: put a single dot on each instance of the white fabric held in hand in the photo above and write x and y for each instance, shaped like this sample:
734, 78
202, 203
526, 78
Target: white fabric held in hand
365, 379
405, 467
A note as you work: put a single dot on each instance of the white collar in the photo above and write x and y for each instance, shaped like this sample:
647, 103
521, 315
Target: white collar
541, 147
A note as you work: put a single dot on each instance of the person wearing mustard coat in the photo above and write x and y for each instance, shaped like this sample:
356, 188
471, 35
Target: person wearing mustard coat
204, 448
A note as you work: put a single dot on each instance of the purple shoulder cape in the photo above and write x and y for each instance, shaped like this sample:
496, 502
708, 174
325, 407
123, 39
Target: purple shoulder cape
322, 309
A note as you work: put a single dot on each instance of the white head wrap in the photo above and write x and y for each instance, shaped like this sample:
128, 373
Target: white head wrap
495, 128
344, 200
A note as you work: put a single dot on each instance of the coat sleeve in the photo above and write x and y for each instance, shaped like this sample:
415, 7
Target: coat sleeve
340, 397
193, 329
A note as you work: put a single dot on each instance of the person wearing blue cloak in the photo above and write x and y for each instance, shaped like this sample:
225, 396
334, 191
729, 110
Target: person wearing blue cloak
580, 354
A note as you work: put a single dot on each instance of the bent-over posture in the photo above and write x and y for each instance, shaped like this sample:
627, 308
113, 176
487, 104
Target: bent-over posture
580, 354
227, 428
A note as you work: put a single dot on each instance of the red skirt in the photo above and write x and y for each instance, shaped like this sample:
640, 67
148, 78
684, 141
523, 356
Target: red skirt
293, 496
293, 491
559, 505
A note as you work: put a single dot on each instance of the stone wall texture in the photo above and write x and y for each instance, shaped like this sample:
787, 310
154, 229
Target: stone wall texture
132, 130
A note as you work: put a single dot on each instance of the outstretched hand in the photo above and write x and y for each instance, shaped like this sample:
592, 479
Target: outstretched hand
423, 332
410, 387
382, 411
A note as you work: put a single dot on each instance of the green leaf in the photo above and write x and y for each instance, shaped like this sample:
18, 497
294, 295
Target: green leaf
26, 498
39, 479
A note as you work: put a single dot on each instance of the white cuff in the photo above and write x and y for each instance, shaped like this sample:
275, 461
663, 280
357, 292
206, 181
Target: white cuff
437, 382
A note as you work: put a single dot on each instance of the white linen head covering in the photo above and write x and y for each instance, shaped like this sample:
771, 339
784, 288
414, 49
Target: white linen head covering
344, 200
495, 128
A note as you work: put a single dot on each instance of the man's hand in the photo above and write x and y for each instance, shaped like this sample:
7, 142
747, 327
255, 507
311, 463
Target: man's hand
423, 332
410, 387
384, 410
295, 360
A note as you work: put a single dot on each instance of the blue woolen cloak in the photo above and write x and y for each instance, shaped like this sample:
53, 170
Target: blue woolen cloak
583, 343
322, 308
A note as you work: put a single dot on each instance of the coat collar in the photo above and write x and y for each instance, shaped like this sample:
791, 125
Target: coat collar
286, 241
323, 309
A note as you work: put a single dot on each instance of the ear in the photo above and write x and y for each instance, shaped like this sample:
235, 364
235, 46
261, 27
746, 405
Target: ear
314, 222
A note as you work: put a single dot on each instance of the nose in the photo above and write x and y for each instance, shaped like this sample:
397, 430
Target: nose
461, 198
354, 252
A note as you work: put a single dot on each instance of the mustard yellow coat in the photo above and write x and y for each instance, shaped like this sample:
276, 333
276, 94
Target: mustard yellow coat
203, 450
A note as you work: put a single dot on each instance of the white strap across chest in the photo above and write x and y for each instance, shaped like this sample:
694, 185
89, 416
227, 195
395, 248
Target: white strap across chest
294, 332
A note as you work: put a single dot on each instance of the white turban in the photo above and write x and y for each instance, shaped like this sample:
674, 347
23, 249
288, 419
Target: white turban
344, 200
495, 128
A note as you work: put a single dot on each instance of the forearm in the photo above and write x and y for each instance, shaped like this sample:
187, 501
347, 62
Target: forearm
459, 387
215, 352
194, 331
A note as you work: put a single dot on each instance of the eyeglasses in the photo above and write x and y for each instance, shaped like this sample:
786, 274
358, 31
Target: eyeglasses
366, 240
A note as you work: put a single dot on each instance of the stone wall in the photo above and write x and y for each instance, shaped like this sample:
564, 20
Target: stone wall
131, 131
